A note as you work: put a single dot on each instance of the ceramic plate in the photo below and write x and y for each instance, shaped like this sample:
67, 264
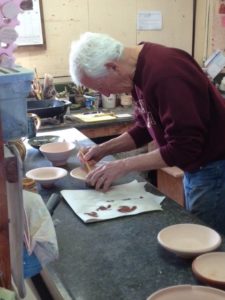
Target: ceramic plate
37, 141
189, 240
210, 268
79, 173
188, 292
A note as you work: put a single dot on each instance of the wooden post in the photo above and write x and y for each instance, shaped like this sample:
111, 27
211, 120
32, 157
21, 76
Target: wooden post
5, 269
170, 183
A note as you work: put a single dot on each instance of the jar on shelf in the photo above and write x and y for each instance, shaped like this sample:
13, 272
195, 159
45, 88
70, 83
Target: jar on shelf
109, 102
126, 100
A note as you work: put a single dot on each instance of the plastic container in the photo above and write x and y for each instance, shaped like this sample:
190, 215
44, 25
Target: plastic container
89, 101
15, 85
109, 102
92, 101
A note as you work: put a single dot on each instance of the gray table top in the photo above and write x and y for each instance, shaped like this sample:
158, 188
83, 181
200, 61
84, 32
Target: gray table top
116, 259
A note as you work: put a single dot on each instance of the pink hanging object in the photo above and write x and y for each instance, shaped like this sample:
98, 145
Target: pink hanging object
9, 9
222, 8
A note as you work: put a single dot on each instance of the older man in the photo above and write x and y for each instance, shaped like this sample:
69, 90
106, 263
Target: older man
175, 105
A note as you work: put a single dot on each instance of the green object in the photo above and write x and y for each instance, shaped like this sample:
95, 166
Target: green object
37, 141
60, 87
7, 294
76, 106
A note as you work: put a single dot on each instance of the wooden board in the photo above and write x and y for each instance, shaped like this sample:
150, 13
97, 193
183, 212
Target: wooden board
170, 183
90, 118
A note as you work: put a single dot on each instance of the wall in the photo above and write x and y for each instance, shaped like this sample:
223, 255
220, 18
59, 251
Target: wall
216, 38
201, 32
66, 20
210, 29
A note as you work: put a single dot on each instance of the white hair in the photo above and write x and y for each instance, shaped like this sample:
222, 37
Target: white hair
90, 53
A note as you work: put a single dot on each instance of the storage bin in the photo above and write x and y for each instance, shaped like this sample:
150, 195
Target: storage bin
15, 85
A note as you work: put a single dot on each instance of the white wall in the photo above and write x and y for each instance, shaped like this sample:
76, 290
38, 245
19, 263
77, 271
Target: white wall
66, 20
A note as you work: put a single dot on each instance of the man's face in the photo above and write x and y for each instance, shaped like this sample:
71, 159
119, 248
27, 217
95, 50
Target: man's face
114, 82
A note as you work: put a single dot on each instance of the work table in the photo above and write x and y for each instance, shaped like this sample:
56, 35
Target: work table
115, 259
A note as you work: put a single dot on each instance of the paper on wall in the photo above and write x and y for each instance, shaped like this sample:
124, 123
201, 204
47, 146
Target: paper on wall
149, 20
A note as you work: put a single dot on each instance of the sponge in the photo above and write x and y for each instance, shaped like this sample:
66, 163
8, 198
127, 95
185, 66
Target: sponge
7, 294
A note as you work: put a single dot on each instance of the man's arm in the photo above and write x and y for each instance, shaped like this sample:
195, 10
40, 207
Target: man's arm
122, 143
148, 161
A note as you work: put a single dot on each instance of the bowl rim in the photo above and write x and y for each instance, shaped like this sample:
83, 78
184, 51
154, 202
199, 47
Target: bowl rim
203, 278
189, 251
41, 148
188, 287
77, 177
62, 174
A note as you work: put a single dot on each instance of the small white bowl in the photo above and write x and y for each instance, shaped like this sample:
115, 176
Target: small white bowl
188, 292
58, 152
189, 240
210, 269
79, 173
46, 176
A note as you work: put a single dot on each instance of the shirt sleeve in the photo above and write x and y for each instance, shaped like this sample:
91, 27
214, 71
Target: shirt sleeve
139, 132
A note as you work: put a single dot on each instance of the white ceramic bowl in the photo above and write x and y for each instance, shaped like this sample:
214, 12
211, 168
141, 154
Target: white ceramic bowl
46, 176
210, 268
79, 173
189, 240
188, 292
58, 153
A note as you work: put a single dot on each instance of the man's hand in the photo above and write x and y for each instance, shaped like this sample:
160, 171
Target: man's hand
103, 176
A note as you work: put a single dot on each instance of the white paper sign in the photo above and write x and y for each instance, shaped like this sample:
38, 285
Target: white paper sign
149, 20
30, 28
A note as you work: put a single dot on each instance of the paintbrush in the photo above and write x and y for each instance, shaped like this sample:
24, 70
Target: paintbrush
88, 167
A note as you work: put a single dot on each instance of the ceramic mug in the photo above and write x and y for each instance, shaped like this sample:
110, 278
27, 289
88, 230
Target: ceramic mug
33, 124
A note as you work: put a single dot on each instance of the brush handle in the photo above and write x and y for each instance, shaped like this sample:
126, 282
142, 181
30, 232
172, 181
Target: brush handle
86, 163
82, 153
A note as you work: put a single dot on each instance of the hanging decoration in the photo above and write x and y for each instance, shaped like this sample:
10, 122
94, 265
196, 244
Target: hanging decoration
9, 11
218, 27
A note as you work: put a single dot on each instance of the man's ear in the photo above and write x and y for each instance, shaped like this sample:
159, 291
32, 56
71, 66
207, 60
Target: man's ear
112, 65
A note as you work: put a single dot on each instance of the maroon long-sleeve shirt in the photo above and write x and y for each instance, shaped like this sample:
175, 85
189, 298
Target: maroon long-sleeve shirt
178, 107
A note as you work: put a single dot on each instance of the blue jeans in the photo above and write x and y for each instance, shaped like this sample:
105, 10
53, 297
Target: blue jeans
205, 194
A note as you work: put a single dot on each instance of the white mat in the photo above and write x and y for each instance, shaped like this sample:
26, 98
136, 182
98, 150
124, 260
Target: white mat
120, 201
